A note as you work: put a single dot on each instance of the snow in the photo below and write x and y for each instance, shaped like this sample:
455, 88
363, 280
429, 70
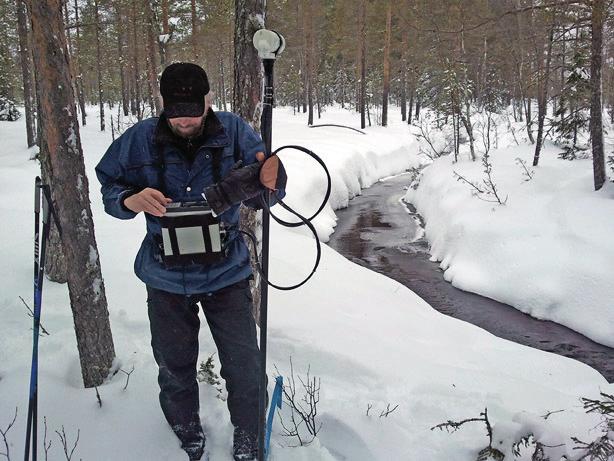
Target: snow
370, 340
71, 141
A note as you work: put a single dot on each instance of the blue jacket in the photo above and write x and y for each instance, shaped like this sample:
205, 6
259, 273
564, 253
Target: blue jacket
133, 163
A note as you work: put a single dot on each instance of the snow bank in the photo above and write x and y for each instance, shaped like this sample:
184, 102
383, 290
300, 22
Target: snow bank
548, 251
354, 160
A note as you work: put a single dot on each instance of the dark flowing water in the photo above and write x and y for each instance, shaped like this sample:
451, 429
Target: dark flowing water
378, 231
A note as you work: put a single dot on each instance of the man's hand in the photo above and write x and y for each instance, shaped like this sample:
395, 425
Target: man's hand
273, 174
149, 200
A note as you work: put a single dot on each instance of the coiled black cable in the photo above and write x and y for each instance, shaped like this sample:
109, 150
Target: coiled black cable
302, 221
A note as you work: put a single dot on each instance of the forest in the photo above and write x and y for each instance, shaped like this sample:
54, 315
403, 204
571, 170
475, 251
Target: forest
449, 56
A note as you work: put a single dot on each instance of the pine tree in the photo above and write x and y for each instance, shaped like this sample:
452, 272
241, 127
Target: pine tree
62, 155
571, 116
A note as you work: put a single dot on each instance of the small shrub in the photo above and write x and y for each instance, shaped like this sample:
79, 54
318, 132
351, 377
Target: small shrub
206, 374
8, 111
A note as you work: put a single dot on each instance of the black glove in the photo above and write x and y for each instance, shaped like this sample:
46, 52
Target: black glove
240, 184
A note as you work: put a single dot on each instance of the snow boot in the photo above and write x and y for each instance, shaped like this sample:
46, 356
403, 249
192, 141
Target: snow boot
195, 452
245, 445
193, 442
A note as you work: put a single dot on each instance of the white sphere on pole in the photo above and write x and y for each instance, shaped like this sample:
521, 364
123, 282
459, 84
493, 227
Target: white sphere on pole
268, 43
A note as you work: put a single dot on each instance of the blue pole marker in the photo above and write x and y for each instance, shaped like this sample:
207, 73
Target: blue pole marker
275, 403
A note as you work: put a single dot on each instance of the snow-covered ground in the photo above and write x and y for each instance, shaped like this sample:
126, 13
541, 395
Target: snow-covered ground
370, 340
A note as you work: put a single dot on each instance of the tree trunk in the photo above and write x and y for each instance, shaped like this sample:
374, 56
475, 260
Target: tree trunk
596, 122
410, 108
484, 69
562, 84
26, 72
164, 53
466, 120
318, 98
529, 119
121, 58
136, 85
152, 75
418, 106
70, 191
79, 77
246, 103
362, 44
223, 83
195, 53
98, 65
404, 45
309, 56
387, 64
72, 54
542, 100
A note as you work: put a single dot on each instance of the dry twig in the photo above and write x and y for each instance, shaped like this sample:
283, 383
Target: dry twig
127, 376
46, 446
303, 409
388, 411
64, 440
4, 432
31, 315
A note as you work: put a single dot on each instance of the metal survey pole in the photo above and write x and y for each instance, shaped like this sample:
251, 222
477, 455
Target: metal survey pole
269, 45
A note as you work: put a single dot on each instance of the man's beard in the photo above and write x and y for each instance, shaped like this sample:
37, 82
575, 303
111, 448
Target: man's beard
192, 133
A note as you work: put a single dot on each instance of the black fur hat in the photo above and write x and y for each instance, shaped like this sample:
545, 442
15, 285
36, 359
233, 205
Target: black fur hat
183, 87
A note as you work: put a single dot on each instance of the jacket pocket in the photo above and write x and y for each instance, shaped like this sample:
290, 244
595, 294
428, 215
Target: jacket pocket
150, 174
142, 175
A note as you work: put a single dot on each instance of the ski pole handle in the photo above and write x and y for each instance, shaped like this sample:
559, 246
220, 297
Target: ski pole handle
37, 194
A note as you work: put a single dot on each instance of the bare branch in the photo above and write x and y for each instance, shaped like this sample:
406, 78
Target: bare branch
461, 178
487, 21
453, 426
46, 446
388, 411
527, 173
31, 315
304, 408
98, 397
4, 432
64, 440
547, 415
128, 375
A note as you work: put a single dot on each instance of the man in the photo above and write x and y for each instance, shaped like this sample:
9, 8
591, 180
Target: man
189, 153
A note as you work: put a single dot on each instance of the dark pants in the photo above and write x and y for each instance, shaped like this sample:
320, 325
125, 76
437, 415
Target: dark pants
174, 338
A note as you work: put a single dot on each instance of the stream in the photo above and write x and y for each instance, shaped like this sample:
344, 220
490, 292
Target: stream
377, 230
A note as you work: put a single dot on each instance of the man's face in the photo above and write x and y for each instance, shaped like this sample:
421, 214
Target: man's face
188, 127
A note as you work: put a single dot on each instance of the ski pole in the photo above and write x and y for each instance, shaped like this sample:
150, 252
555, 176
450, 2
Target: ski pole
39, 269
269, 45
37, 206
